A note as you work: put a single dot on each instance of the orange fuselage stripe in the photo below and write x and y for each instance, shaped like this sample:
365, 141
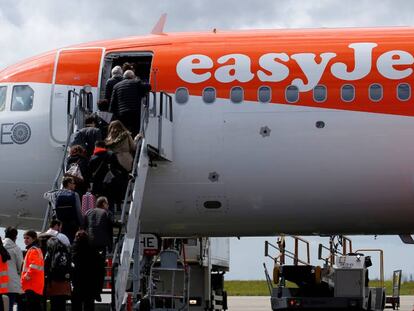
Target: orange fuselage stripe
253, 47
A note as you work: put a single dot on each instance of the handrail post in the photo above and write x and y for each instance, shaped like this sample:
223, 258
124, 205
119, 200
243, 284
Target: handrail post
295, 260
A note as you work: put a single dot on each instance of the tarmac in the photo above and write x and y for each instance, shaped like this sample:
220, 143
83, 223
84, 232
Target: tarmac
262, 303
243, 303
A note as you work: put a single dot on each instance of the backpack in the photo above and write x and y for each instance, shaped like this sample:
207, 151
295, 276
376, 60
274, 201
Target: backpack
65, 206
58, 260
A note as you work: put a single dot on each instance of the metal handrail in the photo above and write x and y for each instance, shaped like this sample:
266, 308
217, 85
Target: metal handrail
61, 169
283, 252
346, 244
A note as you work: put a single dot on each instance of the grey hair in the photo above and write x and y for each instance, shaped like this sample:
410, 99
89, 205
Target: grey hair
129, 74
117, 71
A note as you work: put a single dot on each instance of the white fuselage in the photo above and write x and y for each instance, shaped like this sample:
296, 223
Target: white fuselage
269, 166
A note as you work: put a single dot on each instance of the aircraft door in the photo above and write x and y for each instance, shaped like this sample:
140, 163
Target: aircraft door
159, 133
74, 68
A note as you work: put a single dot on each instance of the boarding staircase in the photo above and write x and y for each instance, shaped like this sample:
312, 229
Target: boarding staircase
79, 104
154, 145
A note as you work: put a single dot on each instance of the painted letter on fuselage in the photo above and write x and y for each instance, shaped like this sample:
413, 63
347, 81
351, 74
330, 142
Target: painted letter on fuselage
187, 65
312, 70
278, 71
239, 71
362, 59
386, 63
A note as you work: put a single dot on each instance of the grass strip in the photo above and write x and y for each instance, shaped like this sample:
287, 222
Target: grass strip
259, 288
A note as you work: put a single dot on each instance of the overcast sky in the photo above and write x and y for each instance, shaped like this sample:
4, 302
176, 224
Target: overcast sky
31, 27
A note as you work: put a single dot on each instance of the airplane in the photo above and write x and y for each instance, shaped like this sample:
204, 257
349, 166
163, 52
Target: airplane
305, 131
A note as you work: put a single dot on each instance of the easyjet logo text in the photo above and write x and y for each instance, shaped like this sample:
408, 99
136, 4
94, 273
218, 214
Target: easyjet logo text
198, 68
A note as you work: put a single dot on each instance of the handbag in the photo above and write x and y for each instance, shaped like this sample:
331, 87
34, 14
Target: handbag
74, 171
109, 177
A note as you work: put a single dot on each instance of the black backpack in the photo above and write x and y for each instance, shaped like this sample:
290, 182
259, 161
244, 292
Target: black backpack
58, 260
65, 206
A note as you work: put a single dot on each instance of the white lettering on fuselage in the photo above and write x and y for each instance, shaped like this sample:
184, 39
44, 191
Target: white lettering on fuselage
197, 68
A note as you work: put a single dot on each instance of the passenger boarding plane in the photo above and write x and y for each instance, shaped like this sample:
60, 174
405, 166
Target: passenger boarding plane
274, 131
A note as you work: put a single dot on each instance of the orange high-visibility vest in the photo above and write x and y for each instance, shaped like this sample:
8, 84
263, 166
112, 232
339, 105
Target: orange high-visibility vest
4, 277
33, 275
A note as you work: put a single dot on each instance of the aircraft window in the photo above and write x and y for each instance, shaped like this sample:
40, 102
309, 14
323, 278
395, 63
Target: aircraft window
265, 94
237, 94
181, 95
3, 92
404, 91
348, 92
375, 92
22, 98
209, 95
292, 94
319, 93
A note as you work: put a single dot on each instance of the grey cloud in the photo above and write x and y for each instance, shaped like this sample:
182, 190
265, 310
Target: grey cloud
10, 12
35, 26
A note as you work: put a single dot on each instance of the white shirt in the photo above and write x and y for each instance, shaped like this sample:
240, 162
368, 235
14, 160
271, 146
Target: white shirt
60, 236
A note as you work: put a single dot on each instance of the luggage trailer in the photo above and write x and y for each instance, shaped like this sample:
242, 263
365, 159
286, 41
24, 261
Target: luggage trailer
342, 283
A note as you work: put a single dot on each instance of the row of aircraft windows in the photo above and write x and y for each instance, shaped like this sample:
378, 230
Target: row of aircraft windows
22, 98
320, 93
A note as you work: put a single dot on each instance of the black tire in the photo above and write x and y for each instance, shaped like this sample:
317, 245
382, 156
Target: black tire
144, 305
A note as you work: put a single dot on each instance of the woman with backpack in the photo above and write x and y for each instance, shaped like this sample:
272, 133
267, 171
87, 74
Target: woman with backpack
57, 272
4, 275
77, 168
85, 273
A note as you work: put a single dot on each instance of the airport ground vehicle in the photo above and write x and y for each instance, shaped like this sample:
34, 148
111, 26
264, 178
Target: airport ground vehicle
341, 283
185, 274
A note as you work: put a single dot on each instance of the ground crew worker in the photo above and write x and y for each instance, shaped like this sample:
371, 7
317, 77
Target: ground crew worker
4, 276
14, 266
33, 277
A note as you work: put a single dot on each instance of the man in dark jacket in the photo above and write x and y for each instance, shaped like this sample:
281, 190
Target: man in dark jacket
99, 225
87, 136
126, 101
116, 77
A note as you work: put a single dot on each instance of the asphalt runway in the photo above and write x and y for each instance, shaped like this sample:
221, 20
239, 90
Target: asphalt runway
263, 303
